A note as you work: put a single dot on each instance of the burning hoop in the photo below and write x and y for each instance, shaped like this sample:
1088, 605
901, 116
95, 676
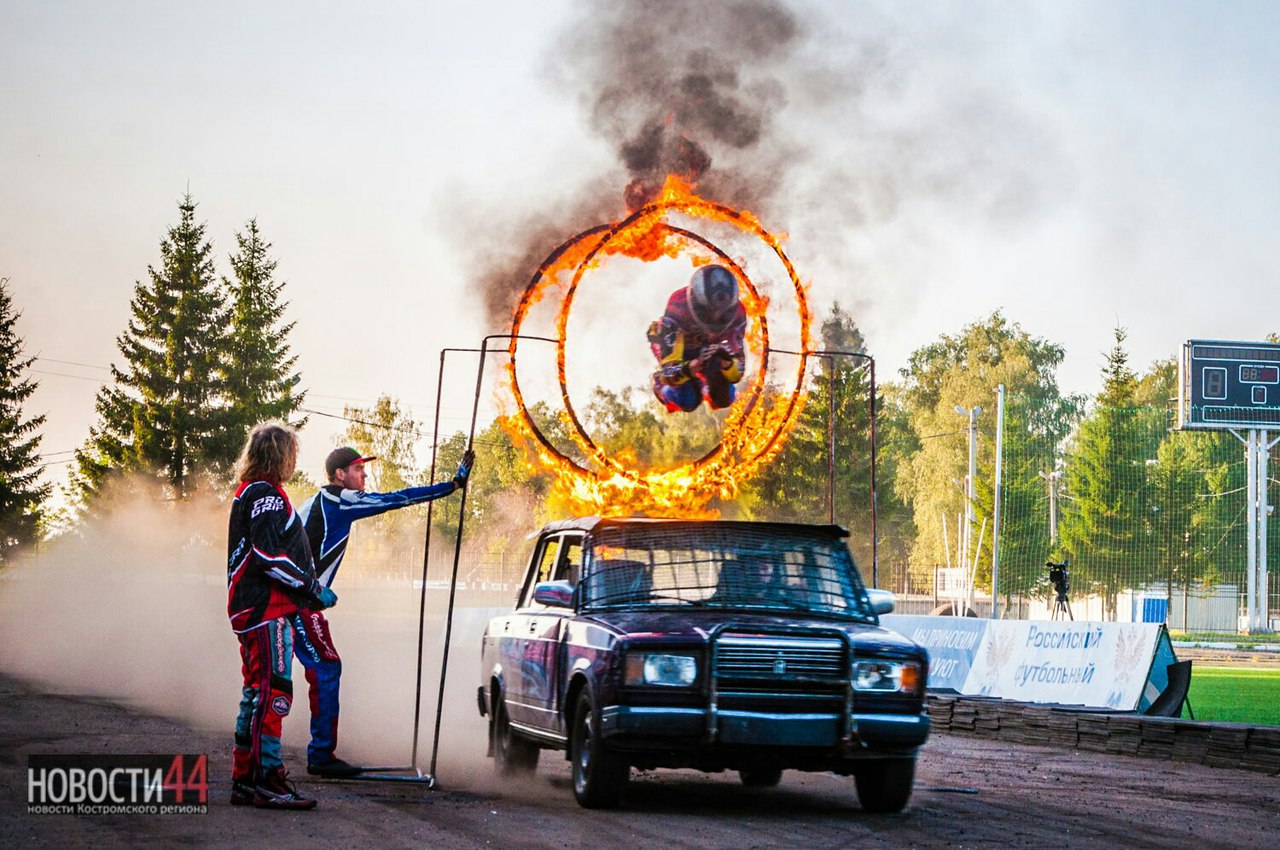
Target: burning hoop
753, 432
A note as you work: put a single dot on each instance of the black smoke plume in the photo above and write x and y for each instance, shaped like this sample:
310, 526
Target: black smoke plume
676, 87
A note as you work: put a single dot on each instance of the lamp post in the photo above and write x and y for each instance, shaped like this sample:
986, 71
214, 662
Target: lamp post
1052, 479
972, 415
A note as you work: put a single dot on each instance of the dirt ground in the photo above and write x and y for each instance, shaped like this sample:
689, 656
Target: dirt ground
969, 793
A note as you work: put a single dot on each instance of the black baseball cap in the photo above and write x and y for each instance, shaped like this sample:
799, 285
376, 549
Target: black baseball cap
342, 458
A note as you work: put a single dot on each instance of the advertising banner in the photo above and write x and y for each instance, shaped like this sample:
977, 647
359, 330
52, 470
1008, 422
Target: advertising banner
1103, 665
1079, 663
952, 643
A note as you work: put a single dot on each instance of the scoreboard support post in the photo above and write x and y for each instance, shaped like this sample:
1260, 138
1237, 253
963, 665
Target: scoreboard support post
1257, 454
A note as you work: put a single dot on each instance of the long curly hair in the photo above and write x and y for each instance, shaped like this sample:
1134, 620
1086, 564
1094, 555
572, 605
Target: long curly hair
270, 453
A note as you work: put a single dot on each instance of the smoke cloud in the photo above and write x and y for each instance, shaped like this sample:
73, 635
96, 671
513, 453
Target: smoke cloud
682, 87
832, 129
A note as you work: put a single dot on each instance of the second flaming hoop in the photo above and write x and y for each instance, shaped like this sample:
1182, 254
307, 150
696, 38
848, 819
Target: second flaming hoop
758, 423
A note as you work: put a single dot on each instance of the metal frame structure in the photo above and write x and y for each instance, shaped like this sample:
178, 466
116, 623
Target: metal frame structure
412, 772
829, 356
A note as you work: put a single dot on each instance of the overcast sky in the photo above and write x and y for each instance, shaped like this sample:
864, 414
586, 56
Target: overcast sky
1078, 165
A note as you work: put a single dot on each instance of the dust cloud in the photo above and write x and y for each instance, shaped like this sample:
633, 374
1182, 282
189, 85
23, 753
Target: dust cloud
132, 608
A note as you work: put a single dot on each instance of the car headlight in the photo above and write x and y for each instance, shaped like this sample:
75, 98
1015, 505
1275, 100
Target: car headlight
653, 668
886, 676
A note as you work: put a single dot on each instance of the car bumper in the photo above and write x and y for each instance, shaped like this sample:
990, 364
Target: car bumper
754, 728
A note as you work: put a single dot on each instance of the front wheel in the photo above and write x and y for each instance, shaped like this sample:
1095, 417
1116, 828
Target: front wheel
512, 755
884, 785
599, 774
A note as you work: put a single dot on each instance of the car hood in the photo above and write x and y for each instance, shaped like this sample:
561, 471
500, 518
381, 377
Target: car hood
697, 625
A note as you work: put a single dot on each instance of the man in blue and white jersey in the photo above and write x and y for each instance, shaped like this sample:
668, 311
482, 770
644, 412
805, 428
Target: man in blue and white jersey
327, 517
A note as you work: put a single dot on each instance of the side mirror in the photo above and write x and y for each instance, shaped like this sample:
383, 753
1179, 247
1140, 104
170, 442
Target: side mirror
882, 601
554, 594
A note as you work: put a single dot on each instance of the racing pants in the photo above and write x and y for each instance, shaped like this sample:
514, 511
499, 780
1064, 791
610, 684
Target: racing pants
313, 645
266, 661
687, 396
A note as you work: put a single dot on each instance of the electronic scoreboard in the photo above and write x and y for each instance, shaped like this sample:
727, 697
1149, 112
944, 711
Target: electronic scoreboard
1229, 385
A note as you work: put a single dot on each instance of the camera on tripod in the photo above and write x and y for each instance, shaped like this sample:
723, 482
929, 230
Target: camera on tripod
1060, 578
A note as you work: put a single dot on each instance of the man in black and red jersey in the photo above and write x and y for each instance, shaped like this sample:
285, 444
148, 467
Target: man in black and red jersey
270, 576
699, 342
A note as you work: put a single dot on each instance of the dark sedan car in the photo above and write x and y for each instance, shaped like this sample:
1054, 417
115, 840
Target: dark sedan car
711, 645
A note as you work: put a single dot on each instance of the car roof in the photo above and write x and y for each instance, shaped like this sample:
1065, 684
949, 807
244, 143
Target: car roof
591, 523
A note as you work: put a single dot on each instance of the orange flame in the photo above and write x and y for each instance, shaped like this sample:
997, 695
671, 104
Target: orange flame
757, 425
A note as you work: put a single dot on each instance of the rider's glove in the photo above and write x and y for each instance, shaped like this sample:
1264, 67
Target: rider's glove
464, 469
326, 598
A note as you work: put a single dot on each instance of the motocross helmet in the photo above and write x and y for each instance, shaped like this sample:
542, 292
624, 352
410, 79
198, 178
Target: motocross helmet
713, 296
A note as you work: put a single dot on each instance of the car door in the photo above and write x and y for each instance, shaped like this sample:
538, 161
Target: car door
522, 653
547, 627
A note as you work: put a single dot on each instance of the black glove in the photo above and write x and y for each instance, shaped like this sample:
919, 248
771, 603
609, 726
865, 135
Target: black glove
326, 598
464, 469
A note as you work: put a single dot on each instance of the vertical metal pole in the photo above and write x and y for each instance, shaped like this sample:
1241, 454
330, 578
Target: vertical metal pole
1053, 507
831, 439
995, 514
1263, 451
426, 552
426, 559
457, 554
875, 508
871, 406
457, 545
966, 558
1251, 487
1264, 580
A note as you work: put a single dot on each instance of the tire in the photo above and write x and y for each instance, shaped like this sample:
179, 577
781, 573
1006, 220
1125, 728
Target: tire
884, 785
512, 755
765, 777
599, 774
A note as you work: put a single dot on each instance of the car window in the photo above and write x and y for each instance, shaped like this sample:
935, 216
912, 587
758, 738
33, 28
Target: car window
548, 555
569, 562
723, 567
560, 559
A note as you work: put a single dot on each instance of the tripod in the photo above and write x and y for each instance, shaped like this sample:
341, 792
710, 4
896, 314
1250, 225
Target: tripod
1060, 578
1060, 607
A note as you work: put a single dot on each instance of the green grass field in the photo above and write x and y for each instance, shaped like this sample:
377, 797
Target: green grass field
1236, 694
1225, 637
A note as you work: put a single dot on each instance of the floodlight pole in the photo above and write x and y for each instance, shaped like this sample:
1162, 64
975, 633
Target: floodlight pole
969, 514
995, 514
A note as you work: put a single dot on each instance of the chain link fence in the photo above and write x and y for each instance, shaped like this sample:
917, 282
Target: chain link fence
1151, 521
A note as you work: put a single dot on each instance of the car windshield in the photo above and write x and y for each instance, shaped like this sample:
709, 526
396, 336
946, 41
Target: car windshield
722, 566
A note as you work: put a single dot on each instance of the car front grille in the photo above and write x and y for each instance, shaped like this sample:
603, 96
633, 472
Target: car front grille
779, 659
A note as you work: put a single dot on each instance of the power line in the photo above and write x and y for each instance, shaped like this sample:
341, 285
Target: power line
65, 375
73, 363
946, 434
435, 443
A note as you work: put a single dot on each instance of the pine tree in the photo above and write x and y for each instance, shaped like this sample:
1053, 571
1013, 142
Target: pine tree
164, 415
259, 372
797, 485
1105, 523
21, 494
